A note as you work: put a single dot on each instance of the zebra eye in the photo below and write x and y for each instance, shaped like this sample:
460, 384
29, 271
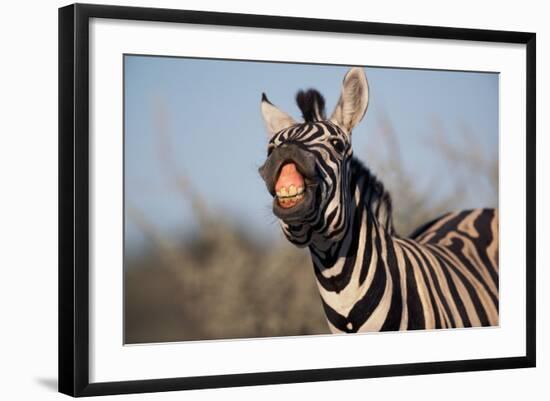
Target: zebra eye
338, 145
269, 150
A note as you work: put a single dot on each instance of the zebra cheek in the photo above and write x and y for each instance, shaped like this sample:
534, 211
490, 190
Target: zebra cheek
261, 171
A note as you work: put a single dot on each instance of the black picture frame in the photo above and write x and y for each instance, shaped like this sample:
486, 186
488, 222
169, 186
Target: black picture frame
74, 198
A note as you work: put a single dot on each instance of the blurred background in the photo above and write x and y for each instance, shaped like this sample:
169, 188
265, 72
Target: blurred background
204, 256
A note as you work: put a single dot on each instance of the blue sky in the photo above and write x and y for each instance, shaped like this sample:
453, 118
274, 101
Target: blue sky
212, 124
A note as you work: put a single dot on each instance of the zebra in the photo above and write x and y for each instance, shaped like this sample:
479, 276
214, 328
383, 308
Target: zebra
444, 275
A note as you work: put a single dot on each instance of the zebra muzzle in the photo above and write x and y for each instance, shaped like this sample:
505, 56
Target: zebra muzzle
290, 186
290, 177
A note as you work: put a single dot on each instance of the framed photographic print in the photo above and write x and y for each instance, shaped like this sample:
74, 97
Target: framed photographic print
250, 199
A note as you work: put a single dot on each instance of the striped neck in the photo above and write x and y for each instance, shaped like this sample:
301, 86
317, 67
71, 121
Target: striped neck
369, 203
347, 269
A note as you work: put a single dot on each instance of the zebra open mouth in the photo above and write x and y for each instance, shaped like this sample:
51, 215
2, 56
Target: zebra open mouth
290, 176
290, 186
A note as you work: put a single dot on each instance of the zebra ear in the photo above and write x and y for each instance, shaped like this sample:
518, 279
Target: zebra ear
275, 119
354, 99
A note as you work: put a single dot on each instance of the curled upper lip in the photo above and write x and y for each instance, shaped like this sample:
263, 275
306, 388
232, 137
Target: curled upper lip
272, 167
272, 179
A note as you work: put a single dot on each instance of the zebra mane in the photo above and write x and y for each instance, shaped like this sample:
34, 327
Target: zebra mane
311, 104
375, 195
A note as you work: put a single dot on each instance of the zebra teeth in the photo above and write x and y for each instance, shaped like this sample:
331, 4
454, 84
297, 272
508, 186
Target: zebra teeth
290, 192
290, 201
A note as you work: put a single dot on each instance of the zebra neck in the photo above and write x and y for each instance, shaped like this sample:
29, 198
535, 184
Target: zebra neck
369, 209
370, 193
336, 263
345, 270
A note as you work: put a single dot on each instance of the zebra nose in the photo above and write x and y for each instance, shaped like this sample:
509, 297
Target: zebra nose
292, 152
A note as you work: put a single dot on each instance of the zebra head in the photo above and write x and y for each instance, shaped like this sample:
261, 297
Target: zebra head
307, 170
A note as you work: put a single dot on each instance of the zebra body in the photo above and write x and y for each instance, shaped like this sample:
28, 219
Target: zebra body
443, 277
370, 278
